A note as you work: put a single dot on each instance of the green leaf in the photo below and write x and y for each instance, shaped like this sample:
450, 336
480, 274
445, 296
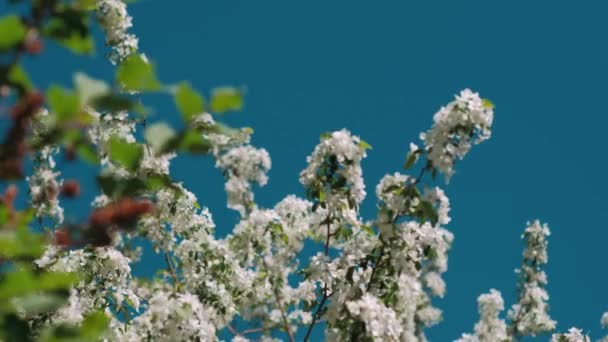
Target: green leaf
188, 101
116, 103
412, 158
89, 88
13, 31
20, 243
159, 135
487, 104
364, 145
133, 186
87, 153
325, 135
136, 74
37, 303
70, 28
18, 77
125, 154
95, 325
369, 230
64, 103
87, 5
226, 99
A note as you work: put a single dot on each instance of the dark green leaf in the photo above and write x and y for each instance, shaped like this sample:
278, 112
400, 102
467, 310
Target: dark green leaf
70, 28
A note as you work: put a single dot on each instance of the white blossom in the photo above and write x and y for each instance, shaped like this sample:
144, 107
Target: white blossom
115, 22
459, 125
573, 335
243, 165
381, 323
490, 327
530, 315
172, 317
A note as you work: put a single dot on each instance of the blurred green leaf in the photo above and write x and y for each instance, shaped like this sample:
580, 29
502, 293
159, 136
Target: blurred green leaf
117, 103
117, 187
126, 154
64, 103
87, 153
18, 77
37, 303
226, 99
20, 243
13, 31
159, 135
87, 5
89, 88
94, 325
70, 28
188, 101
136, 74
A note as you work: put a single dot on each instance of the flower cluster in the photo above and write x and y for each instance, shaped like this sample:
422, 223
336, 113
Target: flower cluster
490, 327
109, 284
573, 335
369, 280
171, 317
381, 323
530, 315
243, 165
115, 21
459, 125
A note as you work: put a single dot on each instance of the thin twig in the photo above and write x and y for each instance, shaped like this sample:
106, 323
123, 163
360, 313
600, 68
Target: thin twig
317, 313
171, 270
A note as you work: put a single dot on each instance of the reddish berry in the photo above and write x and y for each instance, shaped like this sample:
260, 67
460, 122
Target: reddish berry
70, 189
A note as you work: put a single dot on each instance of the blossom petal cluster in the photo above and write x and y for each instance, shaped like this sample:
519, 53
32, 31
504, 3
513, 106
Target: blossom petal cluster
459, 125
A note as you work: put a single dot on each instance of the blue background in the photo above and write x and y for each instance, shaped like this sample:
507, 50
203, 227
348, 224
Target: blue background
382, 69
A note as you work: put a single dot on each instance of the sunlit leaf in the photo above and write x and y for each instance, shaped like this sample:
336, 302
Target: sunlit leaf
137, 74
188, 101
226, 99
126, 154
64, 103
12, 31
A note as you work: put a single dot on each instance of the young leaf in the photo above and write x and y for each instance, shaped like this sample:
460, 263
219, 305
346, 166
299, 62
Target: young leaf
137, 74
19, 78
188, 101
226, 99
159, 135
412, 158
487, 104
125, 154
70, 28
89, 88
64, 103
13, 31
364, 145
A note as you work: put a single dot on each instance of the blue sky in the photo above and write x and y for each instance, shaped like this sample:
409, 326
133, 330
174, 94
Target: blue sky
382, 69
